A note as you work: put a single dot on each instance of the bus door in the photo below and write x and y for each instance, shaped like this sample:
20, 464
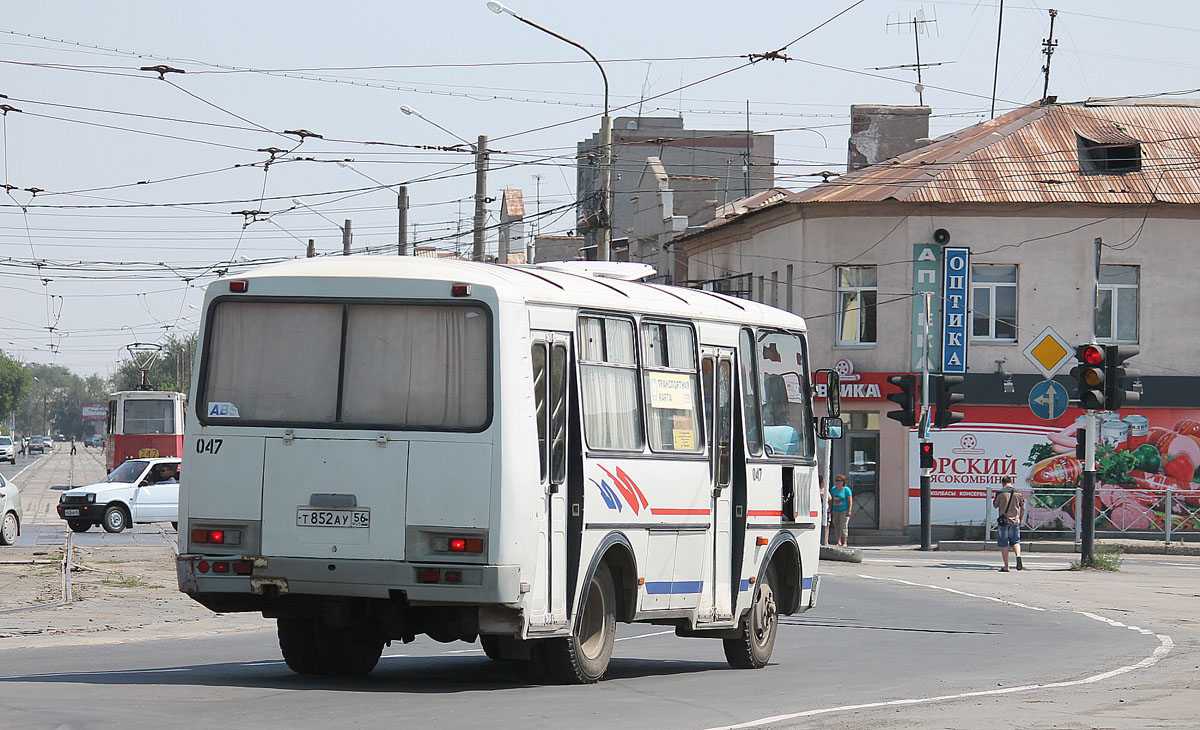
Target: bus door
717, 376
551, 368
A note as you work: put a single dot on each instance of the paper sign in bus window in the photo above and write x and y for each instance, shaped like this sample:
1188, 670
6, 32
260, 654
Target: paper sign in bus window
791, 382
670, 390
685, 440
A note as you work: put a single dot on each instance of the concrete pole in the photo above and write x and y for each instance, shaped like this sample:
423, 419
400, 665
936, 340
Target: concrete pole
481, 164
312, 249
402, 220
346, 237
604, 233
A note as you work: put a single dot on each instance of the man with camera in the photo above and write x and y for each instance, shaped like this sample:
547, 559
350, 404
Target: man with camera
1010, 508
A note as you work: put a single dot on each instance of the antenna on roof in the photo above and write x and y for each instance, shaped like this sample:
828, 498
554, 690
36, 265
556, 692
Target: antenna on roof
917, 21
1048, 46
996, 72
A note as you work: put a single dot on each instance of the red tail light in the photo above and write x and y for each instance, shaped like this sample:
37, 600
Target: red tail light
429, 575
239, 287
453, 576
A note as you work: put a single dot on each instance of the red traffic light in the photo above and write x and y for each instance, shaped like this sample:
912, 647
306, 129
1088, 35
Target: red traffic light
1091, 354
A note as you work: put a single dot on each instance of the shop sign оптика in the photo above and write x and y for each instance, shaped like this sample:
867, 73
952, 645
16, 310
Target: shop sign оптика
1139, 455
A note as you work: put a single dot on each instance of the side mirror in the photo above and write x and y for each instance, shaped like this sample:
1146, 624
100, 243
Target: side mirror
829, 427
833, 392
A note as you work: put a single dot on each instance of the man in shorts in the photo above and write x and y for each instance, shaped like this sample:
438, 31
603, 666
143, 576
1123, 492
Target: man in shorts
1010, 511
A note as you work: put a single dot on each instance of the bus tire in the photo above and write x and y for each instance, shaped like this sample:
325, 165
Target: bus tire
116, 519
491, 647
758, 628
582, 657
298, 644
348, 651
79, 525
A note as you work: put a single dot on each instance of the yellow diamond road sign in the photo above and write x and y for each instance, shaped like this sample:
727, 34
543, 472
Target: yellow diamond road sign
1049, 352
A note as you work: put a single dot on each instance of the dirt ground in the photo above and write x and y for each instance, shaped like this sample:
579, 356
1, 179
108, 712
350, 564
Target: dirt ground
118, 594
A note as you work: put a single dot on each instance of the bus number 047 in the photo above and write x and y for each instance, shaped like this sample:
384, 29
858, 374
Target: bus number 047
208, 446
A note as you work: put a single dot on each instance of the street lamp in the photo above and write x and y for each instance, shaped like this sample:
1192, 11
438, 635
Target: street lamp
401, 206
604, 230
346, 235
481, 165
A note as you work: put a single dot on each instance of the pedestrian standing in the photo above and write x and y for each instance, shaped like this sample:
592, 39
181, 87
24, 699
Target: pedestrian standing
841, 501
1010, 511
72, 446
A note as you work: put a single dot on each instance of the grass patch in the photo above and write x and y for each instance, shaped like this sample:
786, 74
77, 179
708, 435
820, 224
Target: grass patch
1104, 557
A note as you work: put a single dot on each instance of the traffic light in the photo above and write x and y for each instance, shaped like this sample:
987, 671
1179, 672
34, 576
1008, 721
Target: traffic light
943, 417
907, 398
926, 448
1115, 374
1090, 387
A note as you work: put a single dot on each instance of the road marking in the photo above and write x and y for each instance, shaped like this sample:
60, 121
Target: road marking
1165, 644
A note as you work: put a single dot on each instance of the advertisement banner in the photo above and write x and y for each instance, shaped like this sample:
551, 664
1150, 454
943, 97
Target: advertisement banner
95, 412
1138, 456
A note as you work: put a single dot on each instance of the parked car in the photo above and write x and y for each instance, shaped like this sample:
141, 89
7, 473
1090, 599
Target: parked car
38, 444
8, 450
93, 441
10, 512
137, 491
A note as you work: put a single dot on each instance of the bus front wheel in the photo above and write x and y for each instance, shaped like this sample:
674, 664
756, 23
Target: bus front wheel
583, 657
757, 629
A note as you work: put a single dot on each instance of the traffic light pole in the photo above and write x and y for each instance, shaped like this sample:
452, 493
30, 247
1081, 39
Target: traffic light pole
1087, 510
926, 488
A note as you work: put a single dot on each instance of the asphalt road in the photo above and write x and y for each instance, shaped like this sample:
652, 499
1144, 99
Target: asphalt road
874, 648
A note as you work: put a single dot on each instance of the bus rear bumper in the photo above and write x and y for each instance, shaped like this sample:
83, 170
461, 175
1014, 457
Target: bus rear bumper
204, 578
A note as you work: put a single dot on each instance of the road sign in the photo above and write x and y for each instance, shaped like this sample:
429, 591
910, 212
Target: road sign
1049, 352
1048, 400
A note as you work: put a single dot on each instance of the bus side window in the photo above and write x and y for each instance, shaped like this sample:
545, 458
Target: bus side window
539, 402
724, 421
750, 392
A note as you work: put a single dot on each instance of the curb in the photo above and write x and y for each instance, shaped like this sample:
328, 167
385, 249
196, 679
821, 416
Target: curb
841, 554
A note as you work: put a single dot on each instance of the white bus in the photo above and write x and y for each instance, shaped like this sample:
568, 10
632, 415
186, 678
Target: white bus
386, 447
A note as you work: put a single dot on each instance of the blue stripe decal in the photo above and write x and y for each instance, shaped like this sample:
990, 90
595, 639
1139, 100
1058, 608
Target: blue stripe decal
666, 587
806, 583
745, 586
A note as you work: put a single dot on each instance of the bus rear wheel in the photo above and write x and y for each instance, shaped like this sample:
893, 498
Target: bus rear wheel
297, 641
348, 651
582, 658
757, 629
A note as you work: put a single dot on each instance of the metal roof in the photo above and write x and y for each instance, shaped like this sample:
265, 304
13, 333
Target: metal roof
1031, 155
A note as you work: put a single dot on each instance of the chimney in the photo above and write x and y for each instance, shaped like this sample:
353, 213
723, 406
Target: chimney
879, 132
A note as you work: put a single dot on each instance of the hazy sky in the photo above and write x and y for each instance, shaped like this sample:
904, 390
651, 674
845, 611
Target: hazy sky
141, 180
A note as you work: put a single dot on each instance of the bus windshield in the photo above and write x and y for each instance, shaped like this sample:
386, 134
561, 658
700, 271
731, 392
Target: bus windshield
348, 364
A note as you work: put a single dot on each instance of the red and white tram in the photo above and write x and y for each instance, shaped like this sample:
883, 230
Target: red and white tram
143, 424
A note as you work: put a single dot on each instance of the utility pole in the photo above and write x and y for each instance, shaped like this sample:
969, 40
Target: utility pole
604, 233
923, 433
481, 164
402, 220
536, 228
1048, 46
346, 236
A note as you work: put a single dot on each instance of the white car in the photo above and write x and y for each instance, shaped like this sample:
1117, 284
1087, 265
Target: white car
139, 490
8, 450
10, 512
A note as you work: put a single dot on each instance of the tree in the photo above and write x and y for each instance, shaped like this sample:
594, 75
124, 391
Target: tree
14, 381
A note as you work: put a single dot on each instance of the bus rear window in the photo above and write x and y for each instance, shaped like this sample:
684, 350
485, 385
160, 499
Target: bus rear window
388, 365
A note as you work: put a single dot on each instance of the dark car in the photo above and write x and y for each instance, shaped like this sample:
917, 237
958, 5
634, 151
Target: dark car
38, 444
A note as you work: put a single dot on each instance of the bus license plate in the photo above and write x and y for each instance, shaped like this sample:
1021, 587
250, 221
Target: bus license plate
309, 517
71, 512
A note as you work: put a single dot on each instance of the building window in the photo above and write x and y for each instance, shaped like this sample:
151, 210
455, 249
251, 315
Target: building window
994, 302
1117, 304
857, 294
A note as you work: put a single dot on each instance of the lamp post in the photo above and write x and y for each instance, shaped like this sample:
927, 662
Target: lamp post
604, 230
401, 207
346, 234
481, 165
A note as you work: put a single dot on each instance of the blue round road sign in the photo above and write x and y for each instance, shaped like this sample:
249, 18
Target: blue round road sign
1048, 400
